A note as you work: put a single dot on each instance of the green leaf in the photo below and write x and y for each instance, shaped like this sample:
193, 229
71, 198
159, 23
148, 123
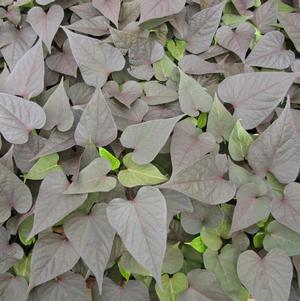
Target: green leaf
234, 20
163, 69
202, 120
171, 287
176, 48
24, 231
125, 274
281, 237
138, 175
115, 162
43, 167
258, 239
277, 187
22, 267
173, 260
198, 244
223, 265
257, 3
239, 142
284, 8
224, 228
211, 239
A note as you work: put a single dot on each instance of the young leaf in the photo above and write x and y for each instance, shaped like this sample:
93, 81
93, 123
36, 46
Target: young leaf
132, 221
104, 153
43, 167
239, 142
138, 175
176, 48
267, 278
211, 239
172, 287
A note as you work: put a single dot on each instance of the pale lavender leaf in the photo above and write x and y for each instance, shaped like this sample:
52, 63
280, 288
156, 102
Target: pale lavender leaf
13, 287
110, 9
266, 15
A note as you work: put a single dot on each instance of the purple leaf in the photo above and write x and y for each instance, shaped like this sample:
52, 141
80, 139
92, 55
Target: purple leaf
132, 290
252, 206
267, 278
202, 27
92, 238
266, 15
46, 24
255, 95
27, 77
286, 210
58, 110
189, 145
154, 9
109, 8
269, 52
237, 41
148, 138
192, 96
276, 150
52, 204
93, 178
96, 124
291, 24
142, 226
13, 287
52, 256
14, 194
95, 59
207, 186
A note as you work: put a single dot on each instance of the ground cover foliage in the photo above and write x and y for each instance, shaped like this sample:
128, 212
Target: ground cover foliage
150, 150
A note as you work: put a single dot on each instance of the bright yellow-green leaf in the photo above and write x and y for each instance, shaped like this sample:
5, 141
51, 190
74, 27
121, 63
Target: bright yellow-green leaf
126, 274
115, 163
43, 167
258, 239
202, 119
24, 231
176, 48
138, 175
284, 8
171, 287
198, 244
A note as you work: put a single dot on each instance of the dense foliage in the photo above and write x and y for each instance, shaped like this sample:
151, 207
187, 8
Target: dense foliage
150, 150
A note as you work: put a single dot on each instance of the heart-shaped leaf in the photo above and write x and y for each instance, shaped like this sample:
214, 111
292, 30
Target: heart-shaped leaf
95, 59
96, 124
267, 278
286, 209
138, 175
15, 194
266, 15
207, 186
46, 24
148, 138
203, 285
237, 41
92, 238
52, 256
58, 110
51, 198
131, 220
13, 287
270, 53
192, 96
276, 150
93, 178
255, 95
189, 145
110, 9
